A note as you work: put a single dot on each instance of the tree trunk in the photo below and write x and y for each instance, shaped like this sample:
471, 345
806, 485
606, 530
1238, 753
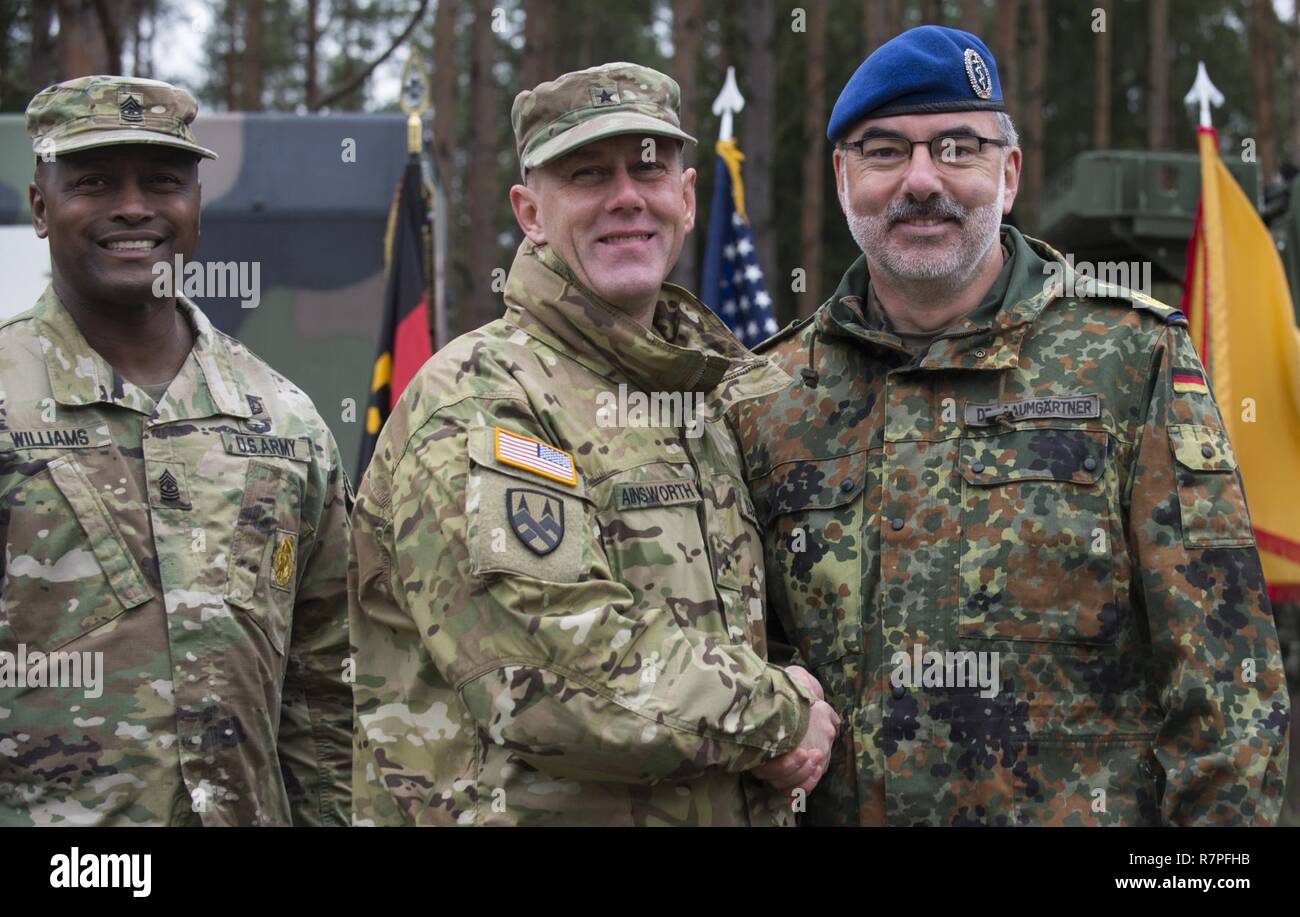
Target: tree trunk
877, 27
814, 163
481, 184
1034, 98
83, 47
112, 22
1101, 64
757, 134
41, 72
252, 83
1263, 23
881, 21
232, 55
312, 83
1295, 96
1006, 49
539, 59
1158, 75
688, 26
931, 12
445, 81
971, 18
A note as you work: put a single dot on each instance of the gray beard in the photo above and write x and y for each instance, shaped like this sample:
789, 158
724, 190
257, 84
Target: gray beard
933, 272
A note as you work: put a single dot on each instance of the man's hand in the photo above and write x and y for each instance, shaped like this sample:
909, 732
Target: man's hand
803, 766
807, 679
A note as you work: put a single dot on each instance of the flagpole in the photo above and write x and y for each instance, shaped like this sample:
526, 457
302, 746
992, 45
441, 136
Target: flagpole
415, 99
1205, 94
728, 102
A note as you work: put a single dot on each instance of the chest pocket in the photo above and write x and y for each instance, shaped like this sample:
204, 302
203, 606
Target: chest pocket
68, 569
265, 553
737, 551
815, 549
1039, 533
652, 530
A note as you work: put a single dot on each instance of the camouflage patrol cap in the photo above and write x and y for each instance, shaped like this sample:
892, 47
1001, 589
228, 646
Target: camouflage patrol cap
559, 116
98, 111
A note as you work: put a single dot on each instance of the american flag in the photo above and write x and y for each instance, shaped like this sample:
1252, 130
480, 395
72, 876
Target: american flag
535, 455
733, 284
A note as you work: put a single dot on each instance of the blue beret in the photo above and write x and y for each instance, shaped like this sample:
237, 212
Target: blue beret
924, 70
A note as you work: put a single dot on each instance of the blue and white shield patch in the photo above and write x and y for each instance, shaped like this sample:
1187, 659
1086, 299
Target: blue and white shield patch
536, 518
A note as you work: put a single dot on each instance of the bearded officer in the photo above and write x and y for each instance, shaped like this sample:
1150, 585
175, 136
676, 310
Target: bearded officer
557, 599
1004, 524
174, 512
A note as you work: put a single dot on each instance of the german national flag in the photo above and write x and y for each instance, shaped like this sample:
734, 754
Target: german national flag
404, 342
1190, 379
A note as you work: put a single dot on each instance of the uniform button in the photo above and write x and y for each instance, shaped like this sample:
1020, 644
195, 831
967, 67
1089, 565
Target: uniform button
896, 524
980, 354
899, 692
977, 467
1090, 464
1207, 451
846, 485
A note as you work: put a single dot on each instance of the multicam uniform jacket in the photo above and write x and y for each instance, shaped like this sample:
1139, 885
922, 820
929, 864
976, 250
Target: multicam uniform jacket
200, 545
1055, 487
556, 610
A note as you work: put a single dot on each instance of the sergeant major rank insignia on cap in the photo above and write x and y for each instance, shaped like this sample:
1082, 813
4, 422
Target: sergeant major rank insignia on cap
130, 107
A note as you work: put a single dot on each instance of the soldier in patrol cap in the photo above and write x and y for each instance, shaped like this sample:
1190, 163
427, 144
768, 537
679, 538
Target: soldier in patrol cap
1003, 523
557, 599
174, 513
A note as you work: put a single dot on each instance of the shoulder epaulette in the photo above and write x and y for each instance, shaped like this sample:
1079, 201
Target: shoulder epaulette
1088, 287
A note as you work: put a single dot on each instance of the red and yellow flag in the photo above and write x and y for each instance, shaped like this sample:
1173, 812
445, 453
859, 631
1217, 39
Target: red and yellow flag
1242, 322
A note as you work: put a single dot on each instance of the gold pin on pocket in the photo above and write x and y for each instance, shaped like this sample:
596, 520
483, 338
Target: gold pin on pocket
282, 560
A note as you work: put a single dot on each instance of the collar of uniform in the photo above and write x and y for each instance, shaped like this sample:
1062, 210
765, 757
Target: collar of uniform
79, 375
968, 343
689, 348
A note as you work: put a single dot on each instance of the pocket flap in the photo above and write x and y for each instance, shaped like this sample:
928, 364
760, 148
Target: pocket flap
822, 484
1074, 456
1201, 448
105, 539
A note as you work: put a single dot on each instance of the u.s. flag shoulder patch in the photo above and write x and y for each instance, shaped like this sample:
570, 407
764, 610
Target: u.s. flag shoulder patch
1190, 379
533, 455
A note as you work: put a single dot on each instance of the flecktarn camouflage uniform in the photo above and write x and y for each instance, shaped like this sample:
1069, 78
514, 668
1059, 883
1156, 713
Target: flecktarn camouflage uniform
557, 618
200, 545
1055, 487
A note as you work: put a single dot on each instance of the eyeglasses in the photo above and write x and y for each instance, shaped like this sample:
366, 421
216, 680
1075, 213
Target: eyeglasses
948, 152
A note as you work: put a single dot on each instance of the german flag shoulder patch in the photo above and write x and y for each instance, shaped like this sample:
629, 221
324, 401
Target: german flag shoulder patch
1190, 379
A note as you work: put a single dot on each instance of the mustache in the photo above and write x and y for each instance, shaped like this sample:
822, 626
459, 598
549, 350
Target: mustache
941, 208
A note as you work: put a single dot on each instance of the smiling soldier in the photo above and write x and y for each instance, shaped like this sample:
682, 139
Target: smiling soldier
167, 500
971, 462
556, 621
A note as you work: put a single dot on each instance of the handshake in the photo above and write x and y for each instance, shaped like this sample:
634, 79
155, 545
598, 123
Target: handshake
803, 766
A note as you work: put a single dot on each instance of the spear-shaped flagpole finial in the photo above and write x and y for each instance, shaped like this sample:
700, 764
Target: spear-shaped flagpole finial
1204, 92
414, 98
728, 102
